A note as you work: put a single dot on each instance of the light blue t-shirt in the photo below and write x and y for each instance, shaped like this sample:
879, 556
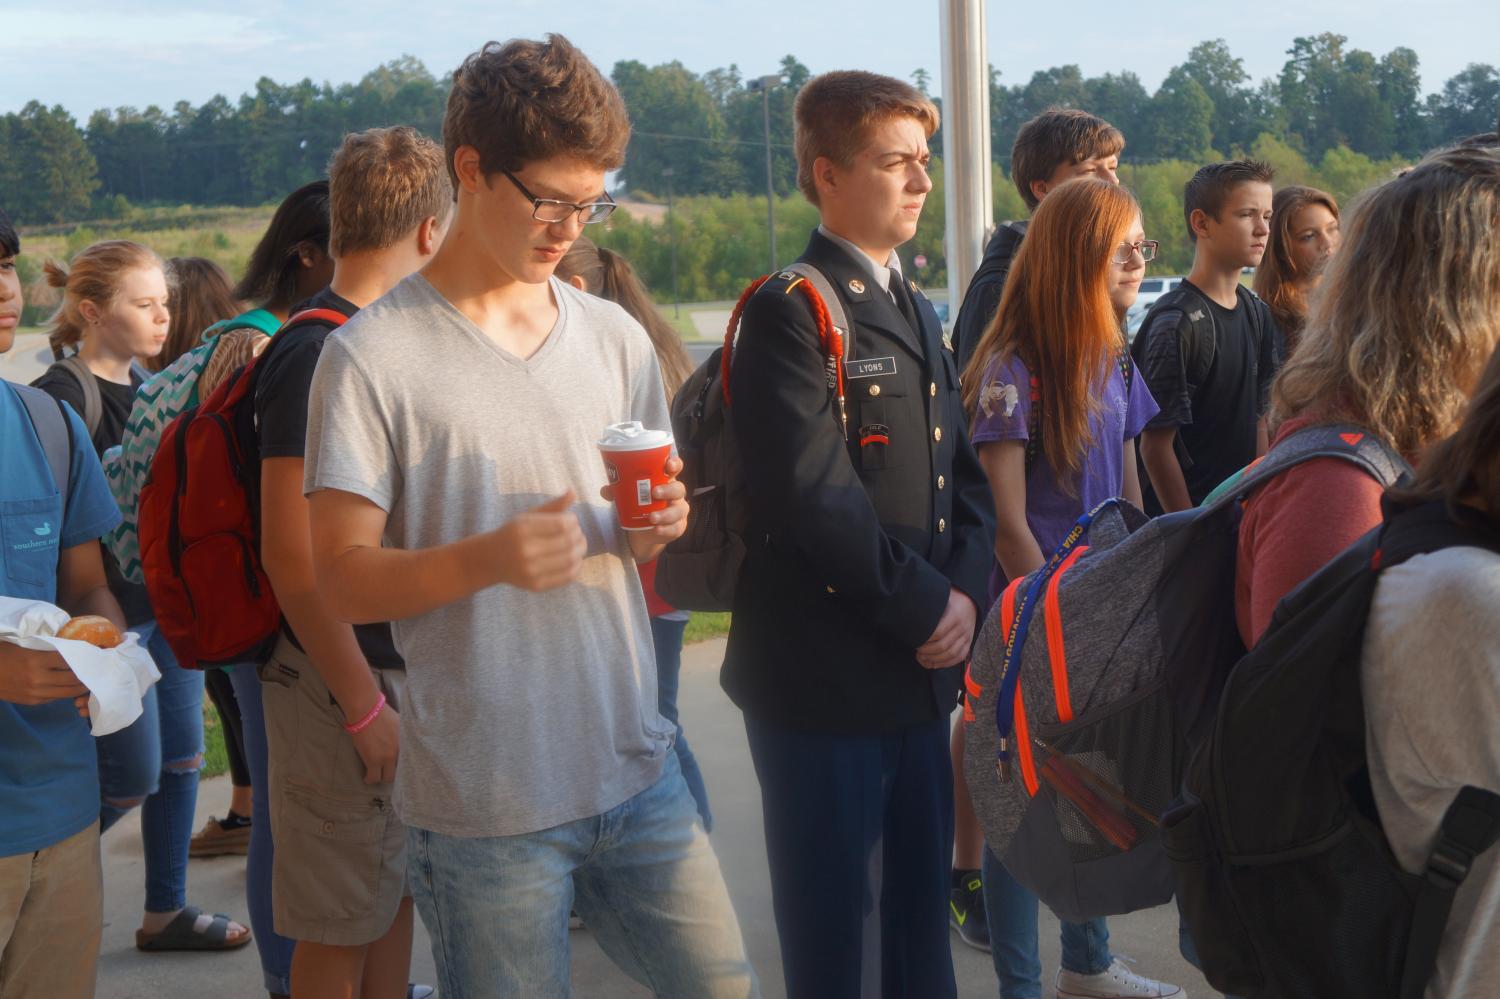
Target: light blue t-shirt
49, 776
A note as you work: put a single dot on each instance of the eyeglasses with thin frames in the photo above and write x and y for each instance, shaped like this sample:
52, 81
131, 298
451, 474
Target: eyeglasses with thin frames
1146, 248
552, 211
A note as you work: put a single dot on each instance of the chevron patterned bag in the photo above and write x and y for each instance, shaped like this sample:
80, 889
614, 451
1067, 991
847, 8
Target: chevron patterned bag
159, 401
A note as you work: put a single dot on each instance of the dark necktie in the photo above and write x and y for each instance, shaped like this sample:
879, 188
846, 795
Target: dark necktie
903, 301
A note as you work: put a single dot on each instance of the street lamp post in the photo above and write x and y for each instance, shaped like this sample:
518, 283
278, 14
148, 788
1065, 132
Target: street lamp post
672, 229
765, 84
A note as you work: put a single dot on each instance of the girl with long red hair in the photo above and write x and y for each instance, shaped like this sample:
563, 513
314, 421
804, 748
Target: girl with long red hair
1054, 410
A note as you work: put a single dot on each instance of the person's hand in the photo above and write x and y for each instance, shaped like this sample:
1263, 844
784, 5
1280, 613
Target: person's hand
32, 676
542, 548
666, 525
950, 641
379, 744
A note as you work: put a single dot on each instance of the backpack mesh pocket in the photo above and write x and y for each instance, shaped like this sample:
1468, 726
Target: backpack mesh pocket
1108, 775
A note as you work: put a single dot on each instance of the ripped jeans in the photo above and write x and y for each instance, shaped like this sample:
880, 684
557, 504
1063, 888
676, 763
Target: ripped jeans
154, 764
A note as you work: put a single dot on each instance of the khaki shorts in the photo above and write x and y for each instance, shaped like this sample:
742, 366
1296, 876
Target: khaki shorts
340, 869
51, 916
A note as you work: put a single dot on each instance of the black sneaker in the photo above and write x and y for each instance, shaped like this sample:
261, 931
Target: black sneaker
966, 910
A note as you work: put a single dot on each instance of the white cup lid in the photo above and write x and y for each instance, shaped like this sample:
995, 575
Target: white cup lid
632, 436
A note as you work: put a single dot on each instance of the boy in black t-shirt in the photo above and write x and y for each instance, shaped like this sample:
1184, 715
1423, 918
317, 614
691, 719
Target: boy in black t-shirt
331, 690
1208, 349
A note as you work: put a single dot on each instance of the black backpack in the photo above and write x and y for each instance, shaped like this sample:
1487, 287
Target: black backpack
1284, 874
700, 570
1197, 331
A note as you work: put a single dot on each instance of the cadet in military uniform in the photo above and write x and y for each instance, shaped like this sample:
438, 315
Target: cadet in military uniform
872, 536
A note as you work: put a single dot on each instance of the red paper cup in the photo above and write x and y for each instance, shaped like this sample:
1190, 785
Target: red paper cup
635, 459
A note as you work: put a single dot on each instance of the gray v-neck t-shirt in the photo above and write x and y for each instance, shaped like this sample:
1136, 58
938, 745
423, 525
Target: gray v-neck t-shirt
523, 710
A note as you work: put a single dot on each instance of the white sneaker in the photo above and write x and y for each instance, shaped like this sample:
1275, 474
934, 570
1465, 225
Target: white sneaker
1115, 982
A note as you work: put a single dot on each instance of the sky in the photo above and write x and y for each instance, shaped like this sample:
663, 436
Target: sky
88, 54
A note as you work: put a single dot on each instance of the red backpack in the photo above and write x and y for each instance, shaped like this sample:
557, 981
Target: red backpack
199, 524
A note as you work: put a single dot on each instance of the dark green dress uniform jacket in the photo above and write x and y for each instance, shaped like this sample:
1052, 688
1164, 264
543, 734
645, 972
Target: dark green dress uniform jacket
853, 544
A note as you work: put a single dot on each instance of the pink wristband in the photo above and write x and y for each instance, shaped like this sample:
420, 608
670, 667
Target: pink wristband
368, 719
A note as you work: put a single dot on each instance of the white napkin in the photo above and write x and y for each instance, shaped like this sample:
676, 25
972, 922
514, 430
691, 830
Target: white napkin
117, 678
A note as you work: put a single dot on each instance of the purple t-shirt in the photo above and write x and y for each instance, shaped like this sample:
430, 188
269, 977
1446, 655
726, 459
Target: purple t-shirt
1004, 408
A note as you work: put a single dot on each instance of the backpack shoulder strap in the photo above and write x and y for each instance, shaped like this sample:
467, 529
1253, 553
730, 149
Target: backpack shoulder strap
830, 298
54, 432
93, 402
1470, 827
1201, 344
1334, 440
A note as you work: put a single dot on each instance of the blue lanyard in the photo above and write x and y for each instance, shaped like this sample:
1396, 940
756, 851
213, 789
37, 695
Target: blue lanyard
1015, 641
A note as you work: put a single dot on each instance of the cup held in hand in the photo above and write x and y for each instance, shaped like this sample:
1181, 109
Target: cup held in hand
635, 459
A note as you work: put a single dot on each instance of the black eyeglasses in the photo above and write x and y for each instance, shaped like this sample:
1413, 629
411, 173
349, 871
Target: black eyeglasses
1146, 248
552, 211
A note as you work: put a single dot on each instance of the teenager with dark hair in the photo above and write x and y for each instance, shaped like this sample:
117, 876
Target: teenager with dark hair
1304, 237
51, 878
290, 263
1208, 349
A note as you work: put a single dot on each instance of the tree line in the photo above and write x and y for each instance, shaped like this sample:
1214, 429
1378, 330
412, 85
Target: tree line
709, 128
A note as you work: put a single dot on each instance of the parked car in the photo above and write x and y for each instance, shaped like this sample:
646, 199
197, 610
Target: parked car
1151, 289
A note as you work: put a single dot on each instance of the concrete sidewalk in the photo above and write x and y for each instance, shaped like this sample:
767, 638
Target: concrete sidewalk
715, 731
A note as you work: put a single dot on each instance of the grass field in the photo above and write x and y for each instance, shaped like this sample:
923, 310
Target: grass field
701, 628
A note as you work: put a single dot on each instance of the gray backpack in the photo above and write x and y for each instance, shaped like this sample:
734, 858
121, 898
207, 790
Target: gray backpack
699, 571
55, 434
1093, 675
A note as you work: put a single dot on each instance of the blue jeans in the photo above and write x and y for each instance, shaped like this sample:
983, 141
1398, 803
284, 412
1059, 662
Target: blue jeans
642, 875
154, 762
859, 840
275, 950
1012, 914
668, 638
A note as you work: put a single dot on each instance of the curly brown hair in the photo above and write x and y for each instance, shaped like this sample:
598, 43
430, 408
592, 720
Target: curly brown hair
1409, 309
524, 101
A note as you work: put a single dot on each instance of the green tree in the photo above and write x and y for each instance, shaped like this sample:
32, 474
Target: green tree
1224, 80
54, 175
677, 125
1182, 117
1468, 104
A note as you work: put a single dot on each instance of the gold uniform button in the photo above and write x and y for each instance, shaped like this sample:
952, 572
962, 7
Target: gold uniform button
874, 389
942, 525
941, 482
937, 433
932, 389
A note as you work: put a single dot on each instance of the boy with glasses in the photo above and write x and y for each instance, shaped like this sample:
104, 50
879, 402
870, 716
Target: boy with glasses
536, 771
